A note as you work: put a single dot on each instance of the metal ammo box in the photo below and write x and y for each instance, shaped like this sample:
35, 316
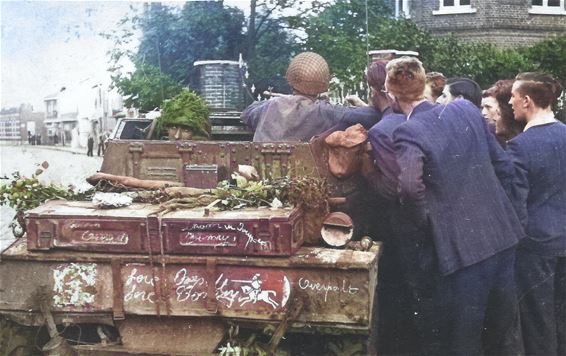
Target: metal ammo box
140, 228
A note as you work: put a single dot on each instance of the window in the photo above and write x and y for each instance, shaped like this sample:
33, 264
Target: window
447, 7
547, 7
402, 8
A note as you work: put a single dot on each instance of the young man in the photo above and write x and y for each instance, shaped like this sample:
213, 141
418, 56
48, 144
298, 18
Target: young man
400, 330
539, 154
454, 181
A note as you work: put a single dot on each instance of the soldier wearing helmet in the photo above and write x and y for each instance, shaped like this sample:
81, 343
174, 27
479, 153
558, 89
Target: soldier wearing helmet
302, 115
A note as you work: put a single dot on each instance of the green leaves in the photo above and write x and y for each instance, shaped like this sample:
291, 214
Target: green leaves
171, 41
238, 193
187, 109
147, 87
22, 193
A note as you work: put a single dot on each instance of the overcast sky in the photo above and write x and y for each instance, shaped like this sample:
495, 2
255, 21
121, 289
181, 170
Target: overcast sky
46, 45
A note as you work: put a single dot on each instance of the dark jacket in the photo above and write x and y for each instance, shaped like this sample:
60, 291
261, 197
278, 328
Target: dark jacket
456, 178
539, 155
383, 154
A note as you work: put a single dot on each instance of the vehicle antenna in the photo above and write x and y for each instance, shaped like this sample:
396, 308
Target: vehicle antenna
367, 31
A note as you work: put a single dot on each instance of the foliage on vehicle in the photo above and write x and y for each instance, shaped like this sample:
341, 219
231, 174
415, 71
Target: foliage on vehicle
187, 110
22, 193
238, 193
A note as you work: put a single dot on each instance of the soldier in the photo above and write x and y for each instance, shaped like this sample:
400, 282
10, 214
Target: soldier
301, 116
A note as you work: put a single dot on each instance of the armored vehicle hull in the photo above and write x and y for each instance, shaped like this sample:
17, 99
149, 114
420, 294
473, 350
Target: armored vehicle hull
166, 292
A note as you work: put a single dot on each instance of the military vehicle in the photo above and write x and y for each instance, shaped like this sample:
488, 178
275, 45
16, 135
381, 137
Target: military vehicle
93, 281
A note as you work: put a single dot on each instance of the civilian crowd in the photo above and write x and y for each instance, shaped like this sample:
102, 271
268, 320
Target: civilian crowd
471, 187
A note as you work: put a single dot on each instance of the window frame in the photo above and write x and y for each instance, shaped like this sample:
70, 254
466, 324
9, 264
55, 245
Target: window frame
455, 9
545, 9
405, 11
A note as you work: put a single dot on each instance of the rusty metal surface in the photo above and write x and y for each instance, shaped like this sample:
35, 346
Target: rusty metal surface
249, 232
81, 226
201, 175
148, 334
336, 286
166, 160
139, 228
338, 219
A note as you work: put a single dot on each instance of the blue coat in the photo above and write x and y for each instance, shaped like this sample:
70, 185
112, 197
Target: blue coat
539, 155
384, 182
456, 177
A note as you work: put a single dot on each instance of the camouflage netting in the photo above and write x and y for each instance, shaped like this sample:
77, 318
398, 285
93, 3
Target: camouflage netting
187, 110
308, 73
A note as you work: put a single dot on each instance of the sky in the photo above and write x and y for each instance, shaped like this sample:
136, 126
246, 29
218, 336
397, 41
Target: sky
46, 45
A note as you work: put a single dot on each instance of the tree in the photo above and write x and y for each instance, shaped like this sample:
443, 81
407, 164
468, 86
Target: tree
548, 56
272, 53
269, 38
147, 87
172, 39
338, 33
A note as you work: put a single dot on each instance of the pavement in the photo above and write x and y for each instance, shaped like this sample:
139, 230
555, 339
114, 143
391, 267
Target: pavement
67, 166
76, 150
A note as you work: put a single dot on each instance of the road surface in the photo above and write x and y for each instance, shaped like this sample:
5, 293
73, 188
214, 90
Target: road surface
65, 168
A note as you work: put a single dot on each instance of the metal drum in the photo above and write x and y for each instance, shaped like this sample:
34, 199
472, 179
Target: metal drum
220, 84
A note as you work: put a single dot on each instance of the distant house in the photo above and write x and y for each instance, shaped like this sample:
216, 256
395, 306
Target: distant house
16, 123
505, 23
74, 112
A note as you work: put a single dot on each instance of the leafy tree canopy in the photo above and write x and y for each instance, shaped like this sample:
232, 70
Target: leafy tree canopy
147, 87
173, 38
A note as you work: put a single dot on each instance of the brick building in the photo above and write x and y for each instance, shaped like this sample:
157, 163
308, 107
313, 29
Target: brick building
17, 123
505, 23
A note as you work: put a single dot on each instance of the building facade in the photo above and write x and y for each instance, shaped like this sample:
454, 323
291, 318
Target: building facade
505, 23
73, 113
19, 125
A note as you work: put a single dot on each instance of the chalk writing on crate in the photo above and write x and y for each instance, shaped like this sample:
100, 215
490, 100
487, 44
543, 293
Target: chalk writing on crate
192, 287
220, 235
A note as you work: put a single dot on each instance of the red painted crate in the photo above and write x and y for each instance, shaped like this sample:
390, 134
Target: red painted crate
80, 226
260, 232
140, 228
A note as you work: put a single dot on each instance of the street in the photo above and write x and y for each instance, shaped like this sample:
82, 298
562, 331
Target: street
65, 168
